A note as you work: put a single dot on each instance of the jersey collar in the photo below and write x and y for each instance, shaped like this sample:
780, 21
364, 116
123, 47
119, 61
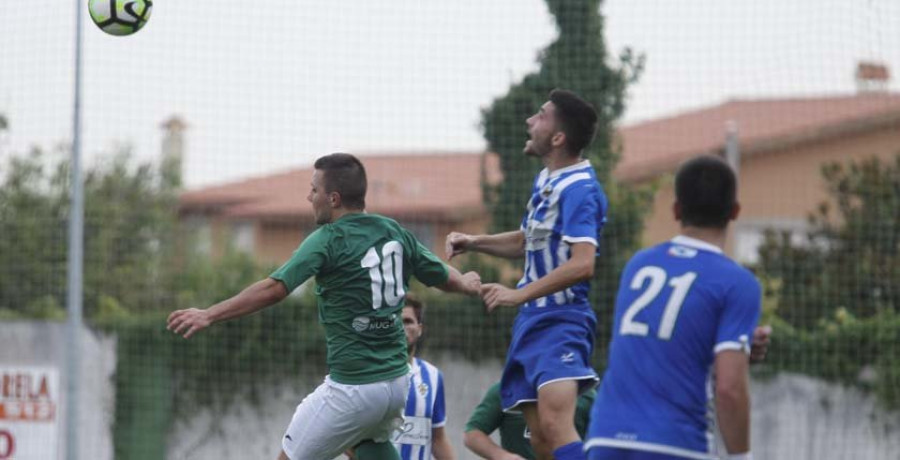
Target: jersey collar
695, 243
580, 165
414, 366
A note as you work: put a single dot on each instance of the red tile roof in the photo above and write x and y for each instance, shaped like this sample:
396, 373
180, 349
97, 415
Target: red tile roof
658, 146
427, 186
448, 185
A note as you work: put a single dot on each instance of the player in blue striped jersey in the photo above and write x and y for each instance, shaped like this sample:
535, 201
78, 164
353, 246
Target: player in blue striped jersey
548, 363
422, 435
685, 314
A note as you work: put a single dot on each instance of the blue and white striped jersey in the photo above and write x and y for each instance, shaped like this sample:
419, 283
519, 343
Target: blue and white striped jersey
567, 206
425, 410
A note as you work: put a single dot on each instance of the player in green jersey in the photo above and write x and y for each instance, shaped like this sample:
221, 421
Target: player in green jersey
515, 444
362, 264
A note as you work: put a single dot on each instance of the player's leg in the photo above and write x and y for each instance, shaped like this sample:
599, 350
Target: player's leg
370, 450
336, 417
318, 425
556, 415
565, 341
536, 439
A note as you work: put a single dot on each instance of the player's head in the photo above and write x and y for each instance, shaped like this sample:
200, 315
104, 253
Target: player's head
339, 182
705, 193
413, 320
566, 122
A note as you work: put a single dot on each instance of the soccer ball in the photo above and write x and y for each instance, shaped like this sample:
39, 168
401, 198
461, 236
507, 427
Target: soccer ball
120, 17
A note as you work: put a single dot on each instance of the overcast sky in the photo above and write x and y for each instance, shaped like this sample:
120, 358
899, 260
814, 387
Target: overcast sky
269, 85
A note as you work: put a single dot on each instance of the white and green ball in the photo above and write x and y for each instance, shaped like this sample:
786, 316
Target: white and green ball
120, 17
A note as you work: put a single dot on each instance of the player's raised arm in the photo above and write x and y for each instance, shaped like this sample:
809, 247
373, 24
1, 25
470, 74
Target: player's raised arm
255, 297
509, 245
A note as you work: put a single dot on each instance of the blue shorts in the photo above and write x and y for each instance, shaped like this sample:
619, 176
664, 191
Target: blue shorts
612, 453
548, 344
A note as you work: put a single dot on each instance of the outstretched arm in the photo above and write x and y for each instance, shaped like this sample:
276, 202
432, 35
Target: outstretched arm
468, 283
255, 297
509, 245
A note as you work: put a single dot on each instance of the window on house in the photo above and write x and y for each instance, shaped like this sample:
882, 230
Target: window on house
199, 234
243, 236
749, 235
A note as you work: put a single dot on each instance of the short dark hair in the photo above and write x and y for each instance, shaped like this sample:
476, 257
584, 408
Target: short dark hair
417, 306
577, 119
346, 175
705, 188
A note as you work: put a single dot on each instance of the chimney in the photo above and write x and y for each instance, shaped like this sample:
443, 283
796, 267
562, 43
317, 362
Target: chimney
172, 151
872, 77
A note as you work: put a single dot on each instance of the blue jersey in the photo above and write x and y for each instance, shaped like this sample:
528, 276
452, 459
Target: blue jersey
567, 206
679, 303
425, 410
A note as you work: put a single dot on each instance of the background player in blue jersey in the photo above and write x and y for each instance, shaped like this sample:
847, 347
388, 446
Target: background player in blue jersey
422, 435
683, 309
548, 363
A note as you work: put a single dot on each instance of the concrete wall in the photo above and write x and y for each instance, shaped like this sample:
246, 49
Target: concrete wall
794, 417
37, 343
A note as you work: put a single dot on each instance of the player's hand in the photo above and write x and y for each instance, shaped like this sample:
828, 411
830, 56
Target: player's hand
472, 283
497, 295
188, 322
456, 244
760, 345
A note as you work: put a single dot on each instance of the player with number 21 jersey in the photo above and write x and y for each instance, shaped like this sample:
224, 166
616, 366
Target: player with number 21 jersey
679, 303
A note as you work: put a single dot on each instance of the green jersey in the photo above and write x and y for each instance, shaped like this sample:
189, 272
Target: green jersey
362, 264
489, 416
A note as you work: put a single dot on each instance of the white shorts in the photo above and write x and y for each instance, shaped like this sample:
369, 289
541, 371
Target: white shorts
336, 417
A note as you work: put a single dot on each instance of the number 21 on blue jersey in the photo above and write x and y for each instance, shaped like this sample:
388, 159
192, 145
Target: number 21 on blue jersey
654, 282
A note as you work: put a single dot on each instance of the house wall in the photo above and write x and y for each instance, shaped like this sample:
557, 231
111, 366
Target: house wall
276, 241
776, 189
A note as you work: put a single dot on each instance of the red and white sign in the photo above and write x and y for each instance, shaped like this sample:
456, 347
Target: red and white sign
29, 413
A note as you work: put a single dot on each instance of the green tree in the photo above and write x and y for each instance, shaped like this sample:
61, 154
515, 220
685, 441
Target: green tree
850, 260
129, 235
33, 246
578, 61
833, 296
